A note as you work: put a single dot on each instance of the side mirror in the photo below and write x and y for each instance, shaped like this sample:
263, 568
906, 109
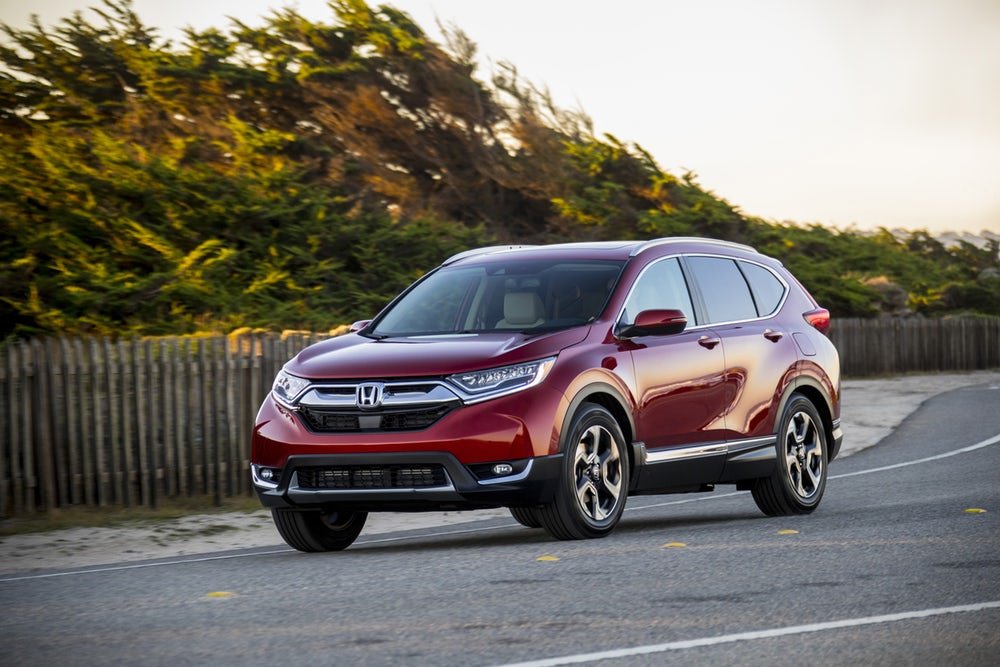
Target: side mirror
359, 325
655, 323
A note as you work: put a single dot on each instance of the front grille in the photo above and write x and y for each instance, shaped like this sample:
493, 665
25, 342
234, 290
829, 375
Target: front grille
372, 477
331, 422
410, 421
326, 420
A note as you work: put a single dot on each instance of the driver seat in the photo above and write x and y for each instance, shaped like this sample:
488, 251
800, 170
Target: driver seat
521, 310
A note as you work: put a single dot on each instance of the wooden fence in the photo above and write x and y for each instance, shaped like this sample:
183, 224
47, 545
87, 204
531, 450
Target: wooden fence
887, 346
98, 422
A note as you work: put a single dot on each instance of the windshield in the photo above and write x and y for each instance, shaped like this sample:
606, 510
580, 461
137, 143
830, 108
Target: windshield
530, 296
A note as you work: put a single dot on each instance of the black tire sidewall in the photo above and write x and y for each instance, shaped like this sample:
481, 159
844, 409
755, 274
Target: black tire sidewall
309, 530
587, 416
796, 405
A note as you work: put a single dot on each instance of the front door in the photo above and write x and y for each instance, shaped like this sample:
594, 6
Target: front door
680, 387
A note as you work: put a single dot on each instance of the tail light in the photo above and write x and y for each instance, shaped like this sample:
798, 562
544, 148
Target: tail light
818, 319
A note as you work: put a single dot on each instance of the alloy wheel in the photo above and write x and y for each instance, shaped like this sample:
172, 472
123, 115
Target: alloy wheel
598, 473
804, 458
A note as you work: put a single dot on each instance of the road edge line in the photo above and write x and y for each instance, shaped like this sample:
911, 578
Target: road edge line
756, 634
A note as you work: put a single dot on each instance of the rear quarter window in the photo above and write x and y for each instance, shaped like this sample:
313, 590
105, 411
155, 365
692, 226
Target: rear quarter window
766, 288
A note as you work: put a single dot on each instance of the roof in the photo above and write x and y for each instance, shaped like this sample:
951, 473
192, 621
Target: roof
606, 249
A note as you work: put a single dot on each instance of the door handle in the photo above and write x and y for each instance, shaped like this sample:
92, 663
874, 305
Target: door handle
773, 336
709, 341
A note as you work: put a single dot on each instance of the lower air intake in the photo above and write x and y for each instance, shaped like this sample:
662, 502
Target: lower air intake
372, 477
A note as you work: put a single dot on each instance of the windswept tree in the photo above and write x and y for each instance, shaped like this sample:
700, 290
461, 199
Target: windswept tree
298, 173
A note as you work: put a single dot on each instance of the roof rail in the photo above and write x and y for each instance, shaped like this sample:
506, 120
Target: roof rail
482, 251
689, 239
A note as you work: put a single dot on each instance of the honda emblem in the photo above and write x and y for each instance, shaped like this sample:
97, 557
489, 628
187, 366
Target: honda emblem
369, 395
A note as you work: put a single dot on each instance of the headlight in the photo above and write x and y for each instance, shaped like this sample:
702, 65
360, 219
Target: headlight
287, 387
504, 380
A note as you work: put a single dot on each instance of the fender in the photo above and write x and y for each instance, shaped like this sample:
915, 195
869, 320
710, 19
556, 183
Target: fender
620, 407
813, 383
816, 386
626, 407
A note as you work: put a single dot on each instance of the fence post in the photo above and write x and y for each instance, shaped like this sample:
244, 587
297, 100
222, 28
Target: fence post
167, 392
46, 468
83, 371
182, 389
114, 428
6, 383
57, 403
154, 423
125, 356
28, 439
204, 455
218, 406
232, 415
140, 404
99, 399
14, 405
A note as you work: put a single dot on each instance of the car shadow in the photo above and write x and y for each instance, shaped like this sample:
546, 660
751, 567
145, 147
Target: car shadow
509, 534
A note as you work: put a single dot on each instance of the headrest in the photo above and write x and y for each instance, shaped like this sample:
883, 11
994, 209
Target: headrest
522, 308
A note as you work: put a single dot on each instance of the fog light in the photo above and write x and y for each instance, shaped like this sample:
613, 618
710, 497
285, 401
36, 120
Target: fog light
503, 469
265, 478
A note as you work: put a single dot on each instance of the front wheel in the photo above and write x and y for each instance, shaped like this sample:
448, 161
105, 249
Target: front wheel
526, 516
318, 530
594, 485
796, 486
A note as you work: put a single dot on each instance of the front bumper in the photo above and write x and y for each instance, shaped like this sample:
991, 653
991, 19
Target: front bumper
508, 428
533, 482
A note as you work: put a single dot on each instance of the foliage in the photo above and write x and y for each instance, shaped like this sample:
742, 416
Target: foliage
298, 174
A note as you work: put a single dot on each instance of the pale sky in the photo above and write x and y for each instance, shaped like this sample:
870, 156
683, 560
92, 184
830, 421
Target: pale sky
865, 112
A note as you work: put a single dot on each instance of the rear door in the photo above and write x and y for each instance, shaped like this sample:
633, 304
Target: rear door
741, 299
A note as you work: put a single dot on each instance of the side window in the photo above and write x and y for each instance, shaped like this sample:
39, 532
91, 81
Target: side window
767, 289
661, 286
727, 297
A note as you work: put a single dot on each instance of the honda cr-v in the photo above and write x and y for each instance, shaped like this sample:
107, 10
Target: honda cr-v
558, 381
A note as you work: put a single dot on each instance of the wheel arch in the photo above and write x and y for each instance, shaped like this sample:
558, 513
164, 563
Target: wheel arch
610, 399
816, 395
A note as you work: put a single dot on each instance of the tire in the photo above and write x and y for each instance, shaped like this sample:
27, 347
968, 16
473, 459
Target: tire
526, 516
799, 479
315, 530
593, 486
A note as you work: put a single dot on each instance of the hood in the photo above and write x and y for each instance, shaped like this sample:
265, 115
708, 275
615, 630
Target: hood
352, 357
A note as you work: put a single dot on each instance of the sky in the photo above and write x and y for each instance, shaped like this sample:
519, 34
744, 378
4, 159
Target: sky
841, 112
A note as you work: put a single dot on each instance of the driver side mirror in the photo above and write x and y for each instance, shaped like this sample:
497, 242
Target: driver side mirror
359, 325
655, 323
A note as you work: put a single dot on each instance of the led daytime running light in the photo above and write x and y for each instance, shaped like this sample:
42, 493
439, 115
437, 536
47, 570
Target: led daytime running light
505, 377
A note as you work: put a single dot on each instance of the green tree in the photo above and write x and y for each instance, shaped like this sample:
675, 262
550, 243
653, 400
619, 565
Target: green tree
297, 174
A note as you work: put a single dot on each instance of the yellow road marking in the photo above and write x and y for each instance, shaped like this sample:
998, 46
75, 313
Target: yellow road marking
219, 594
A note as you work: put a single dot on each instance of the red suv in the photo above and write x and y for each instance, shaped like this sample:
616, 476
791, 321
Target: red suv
557, 381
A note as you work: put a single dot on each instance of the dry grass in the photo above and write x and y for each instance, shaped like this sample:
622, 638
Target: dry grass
78, 517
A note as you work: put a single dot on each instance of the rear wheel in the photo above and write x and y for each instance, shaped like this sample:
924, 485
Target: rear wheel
796, 486
594, 484
526, 516
316, 530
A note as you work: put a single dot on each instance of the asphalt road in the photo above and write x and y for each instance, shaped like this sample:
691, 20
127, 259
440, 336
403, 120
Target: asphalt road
891, 569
